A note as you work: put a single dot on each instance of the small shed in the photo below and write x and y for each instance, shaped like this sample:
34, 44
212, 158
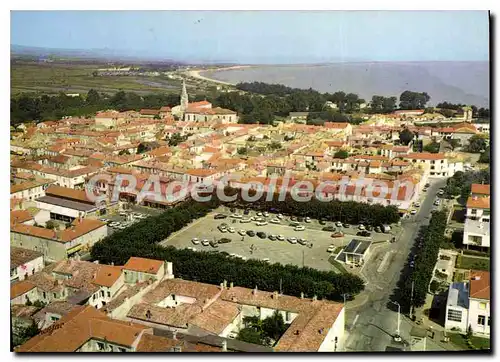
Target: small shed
356, 251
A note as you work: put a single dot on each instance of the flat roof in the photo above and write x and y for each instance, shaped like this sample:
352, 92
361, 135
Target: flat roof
357, 246
80, 206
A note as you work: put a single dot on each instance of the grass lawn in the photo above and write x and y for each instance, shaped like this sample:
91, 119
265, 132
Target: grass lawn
464, 262
460, 341
338, 265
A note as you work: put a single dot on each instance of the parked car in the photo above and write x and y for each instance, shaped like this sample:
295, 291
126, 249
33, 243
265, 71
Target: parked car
261, 235
369, 228
307, 219
378, 229
222, 229
361, 227
292, 240
279, 216
242, 232
267, 260
437, 202
232, 335
293, 218
205, 242
232, 209
231, 230
244, 221
417, 204
337, 234
259, 214
300, 219
413, 212
329, 229
214, 244
236, 216
191, 248
363, 233
302, 241
220, 216
280, 237
251, 233
261, 223
338, 224
331, 249
246, 212
299, 228
265, 214
427, 185
275, 221
224, 241
195, 241
346, 226
385, 229
294, 223
322, 222
272, 237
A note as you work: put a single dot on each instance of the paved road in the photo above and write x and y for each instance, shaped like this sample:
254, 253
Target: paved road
374, 324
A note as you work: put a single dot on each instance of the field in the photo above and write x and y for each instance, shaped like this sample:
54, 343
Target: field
464, 262
78, 78
276, 251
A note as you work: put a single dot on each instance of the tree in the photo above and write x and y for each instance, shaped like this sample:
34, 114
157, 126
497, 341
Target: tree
50, 225
274, 326
22, 333
95, 73
249, 335
432, 147
406, 136
142, 148
454, 143
413, 100
275, 145
485, 156
92, 97
125, 152
469, 333
341, 154
242, 151
477, 143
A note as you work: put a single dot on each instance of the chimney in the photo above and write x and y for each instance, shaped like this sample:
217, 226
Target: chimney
174, 335
112, 264
231, 285
221, 285
301, 295
225, 284
224, 346
275, 295
255, 290
315, 298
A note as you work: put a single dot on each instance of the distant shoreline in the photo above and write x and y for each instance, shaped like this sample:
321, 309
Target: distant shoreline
198, 73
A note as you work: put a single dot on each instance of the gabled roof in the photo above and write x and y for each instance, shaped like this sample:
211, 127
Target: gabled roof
143, 265
479, 284
20, 288
480, 189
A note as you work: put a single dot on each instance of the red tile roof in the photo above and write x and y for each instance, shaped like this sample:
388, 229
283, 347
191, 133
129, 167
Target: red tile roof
480, 189
479, 284
143, 265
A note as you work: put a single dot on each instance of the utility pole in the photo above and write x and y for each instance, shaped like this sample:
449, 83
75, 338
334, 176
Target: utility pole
397, 337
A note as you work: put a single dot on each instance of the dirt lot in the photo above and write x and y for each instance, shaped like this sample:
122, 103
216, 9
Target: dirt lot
277, 251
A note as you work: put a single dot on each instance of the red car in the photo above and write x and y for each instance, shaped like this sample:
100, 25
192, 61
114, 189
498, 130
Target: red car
338, 234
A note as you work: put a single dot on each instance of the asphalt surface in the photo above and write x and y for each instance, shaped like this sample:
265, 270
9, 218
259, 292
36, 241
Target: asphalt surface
371, 326
276, 251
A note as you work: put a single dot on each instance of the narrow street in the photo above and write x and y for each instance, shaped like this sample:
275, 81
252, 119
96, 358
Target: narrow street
370, 326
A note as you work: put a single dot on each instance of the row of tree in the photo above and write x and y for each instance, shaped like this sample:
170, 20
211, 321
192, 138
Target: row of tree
476, 112
412, 288
142, 240
345, 211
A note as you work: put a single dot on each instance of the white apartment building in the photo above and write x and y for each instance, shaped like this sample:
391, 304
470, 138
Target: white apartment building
468, 305
477, 223
437, 163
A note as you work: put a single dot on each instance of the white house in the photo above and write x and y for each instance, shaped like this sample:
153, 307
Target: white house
477, 223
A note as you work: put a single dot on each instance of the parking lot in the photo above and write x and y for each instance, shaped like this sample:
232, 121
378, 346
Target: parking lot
313, 255
127, 217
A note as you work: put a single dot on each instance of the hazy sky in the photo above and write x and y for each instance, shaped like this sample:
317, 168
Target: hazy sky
263, 37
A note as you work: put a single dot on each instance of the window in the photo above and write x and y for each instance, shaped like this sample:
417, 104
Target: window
93, 297
481, 319
122, 349
109, 294
54, 318
100, 346
489, 320
473, 211
102, 293
55, 295
454, 315
482, 305
44, 295
288, 316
